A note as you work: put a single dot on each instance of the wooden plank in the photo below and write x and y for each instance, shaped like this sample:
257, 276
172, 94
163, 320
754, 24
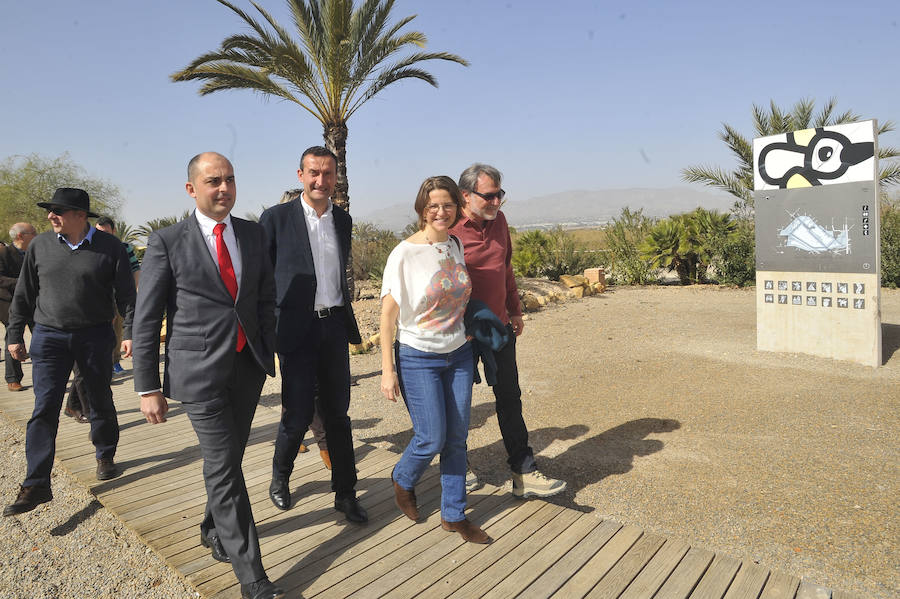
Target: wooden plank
547, 556
657, 570
780, 586
627, 568
686, 576
523, 549
582, 581
717, 579
427, 569
808, 590
548, 582
459, 551
748, 582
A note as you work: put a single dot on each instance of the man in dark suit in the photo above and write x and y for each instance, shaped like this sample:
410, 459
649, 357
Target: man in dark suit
11, 257
309, 243
210, 275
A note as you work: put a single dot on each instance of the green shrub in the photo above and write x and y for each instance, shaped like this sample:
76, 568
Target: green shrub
549, 254
890, 246
734, 256
623, 237
371, 247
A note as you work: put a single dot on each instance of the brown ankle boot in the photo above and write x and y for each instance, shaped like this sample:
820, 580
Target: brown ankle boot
406, 501
468, 531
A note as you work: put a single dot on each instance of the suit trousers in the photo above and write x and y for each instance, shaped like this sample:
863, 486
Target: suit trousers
222, 425
12, 366
508, 396
53, 352
321, 362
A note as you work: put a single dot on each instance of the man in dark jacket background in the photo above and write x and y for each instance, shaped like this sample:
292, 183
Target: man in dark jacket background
11, 258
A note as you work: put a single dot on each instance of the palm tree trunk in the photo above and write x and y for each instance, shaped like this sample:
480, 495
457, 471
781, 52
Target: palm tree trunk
336, 140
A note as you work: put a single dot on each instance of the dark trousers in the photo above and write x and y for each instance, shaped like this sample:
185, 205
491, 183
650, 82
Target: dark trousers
222, 425
53, 352
322, 360
13, 367
508, 397
77, 400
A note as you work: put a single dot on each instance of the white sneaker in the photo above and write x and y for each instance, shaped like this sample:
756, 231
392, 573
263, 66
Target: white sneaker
535, 484
472, 482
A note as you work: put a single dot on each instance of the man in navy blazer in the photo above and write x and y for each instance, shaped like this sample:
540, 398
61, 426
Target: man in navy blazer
210, 276
309, 243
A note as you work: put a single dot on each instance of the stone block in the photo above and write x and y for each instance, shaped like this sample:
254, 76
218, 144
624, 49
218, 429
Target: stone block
572, 281
595, 275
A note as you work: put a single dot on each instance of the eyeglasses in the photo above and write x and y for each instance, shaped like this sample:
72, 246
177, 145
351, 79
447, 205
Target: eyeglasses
59, 210
491, 197
434, 208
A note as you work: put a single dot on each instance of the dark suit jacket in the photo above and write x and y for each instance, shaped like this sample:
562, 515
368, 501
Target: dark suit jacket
180, 279
295, 273
10, 267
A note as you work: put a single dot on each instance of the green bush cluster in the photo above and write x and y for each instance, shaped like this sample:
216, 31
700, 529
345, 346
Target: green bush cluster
549, 254
890, 245
370, 247
623, 237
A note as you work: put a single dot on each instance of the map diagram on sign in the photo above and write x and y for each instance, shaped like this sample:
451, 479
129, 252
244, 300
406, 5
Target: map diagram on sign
805, 234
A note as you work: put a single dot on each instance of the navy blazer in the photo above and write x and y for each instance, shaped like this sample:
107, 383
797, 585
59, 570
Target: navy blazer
295, 273
180, 279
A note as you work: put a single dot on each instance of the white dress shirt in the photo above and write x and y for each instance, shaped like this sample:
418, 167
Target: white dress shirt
206, 227
326, 256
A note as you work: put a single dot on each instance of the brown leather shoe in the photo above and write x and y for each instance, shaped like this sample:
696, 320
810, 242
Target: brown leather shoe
468, 531
77, 415
406, 501
28, 499
326, 458
15, 386
106, 469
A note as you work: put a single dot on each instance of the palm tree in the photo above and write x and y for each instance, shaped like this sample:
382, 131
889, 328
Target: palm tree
666, 247
739, 182
159, 223
339, 63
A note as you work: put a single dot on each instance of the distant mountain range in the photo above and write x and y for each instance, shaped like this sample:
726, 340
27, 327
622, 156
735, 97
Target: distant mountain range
577, 208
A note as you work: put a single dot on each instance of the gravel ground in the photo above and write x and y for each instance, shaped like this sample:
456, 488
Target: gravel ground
656, 408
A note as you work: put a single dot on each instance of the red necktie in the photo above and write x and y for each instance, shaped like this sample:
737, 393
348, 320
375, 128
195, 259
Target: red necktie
226, 269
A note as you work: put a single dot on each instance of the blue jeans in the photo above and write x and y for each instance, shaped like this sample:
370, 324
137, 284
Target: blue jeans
437, 389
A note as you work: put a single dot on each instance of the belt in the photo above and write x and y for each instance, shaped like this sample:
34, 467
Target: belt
326, 312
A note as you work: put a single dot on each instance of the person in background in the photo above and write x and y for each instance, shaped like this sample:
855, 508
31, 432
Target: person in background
488, 249
11, 258
106, 224
424, 292
72, 281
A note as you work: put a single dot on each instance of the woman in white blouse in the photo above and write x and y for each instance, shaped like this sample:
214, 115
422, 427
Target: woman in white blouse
424, 294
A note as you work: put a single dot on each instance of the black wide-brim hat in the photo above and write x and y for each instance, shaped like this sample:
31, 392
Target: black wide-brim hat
70, 197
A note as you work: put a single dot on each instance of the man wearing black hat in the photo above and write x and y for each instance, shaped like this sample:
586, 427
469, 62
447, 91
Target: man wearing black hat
71, 281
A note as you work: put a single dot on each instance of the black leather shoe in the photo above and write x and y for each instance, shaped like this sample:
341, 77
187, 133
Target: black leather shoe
106, 469
28, 499
261, 589
214, 544
280, 493
351, 508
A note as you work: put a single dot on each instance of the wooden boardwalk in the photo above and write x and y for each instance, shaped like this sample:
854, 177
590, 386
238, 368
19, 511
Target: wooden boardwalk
539, 550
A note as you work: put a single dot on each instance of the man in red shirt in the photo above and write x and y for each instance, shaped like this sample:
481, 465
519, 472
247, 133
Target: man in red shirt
488, 252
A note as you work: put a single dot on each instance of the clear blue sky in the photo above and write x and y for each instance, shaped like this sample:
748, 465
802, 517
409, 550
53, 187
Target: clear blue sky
559, 95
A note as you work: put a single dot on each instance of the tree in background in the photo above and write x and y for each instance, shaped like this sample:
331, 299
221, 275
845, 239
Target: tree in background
739, 182
26, 180
340, 62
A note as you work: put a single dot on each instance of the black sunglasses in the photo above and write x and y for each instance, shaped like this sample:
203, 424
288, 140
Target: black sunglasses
490, 197
59, 210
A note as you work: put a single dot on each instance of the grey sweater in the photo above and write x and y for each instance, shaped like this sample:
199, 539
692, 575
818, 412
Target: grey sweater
72, 289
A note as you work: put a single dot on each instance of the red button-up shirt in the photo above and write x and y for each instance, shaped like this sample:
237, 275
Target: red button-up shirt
488, 253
